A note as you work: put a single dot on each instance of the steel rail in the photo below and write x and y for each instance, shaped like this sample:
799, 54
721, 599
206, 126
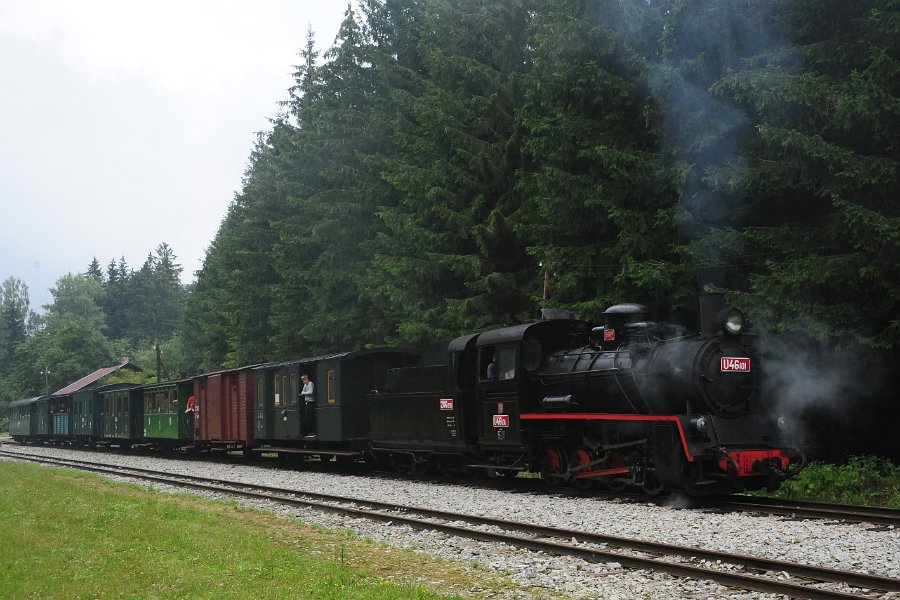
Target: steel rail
817, 510
756, 583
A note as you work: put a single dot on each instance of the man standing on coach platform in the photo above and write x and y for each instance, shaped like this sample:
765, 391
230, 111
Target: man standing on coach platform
309, 406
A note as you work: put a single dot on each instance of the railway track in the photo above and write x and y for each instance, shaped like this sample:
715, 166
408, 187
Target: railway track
733, 570
799, 509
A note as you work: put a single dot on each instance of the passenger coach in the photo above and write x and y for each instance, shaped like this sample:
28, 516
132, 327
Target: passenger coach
336, 422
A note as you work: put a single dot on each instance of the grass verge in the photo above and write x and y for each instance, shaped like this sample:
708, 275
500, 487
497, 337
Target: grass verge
864, 480
65, 534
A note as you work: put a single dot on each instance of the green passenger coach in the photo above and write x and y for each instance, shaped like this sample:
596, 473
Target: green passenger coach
24, 420
121, 413
166, 416
86, 422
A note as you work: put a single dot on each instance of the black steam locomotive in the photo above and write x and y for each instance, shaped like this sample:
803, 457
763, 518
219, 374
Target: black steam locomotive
633, 402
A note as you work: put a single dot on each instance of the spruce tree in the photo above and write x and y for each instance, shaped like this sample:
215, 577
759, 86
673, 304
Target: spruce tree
447, 259
814, 228
598, 211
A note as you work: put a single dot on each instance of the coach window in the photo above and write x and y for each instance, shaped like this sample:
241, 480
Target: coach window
293, 391
332, 394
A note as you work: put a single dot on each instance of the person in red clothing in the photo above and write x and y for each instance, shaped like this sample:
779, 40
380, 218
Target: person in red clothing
191, 405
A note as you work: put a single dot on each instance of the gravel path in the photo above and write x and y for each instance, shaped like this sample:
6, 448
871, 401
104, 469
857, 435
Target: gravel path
857, 547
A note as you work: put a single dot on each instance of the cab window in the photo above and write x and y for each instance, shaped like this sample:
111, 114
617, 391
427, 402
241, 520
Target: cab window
506, 364
487, 367
497, 363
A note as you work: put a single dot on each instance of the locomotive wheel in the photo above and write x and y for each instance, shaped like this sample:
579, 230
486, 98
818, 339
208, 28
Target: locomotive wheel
615, 486
553, 465
651, 486
581, 456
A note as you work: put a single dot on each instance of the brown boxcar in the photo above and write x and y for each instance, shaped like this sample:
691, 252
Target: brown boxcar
223, 409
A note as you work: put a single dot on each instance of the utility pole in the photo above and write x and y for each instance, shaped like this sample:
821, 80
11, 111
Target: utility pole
158, 363
546, 283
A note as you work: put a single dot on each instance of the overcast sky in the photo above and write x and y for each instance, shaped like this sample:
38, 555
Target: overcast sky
124, 124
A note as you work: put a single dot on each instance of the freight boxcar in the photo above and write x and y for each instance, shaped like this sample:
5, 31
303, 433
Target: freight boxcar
223, 409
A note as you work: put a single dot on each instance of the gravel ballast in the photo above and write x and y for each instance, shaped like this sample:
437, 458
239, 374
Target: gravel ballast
856, 547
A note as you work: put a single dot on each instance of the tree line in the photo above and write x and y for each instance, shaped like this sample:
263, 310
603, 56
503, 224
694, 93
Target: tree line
97, 319
453, 165
449, 166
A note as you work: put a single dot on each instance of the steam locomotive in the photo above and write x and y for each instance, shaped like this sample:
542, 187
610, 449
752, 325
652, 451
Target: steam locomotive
629, 403
632, 402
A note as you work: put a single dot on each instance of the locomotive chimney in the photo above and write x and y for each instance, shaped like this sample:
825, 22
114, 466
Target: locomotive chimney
710, 306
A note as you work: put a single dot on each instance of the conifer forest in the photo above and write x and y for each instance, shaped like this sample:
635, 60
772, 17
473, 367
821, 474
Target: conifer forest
448, 166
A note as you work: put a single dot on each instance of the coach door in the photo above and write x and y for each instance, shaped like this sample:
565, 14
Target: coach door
261, 423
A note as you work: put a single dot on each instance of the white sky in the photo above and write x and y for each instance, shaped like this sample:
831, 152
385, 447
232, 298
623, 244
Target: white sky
124, 124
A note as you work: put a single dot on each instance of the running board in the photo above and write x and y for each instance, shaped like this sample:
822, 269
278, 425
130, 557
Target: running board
309, 451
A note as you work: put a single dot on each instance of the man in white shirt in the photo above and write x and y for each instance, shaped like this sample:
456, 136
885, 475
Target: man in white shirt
309, 406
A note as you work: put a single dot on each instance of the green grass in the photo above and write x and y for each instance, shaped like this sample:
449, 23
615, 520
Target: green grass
65, 534
863, 480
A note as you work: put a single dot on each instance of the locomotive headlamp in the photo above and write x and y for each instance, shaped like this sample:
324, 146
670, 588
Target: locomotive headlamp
734, 322
781, 422
701, 424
